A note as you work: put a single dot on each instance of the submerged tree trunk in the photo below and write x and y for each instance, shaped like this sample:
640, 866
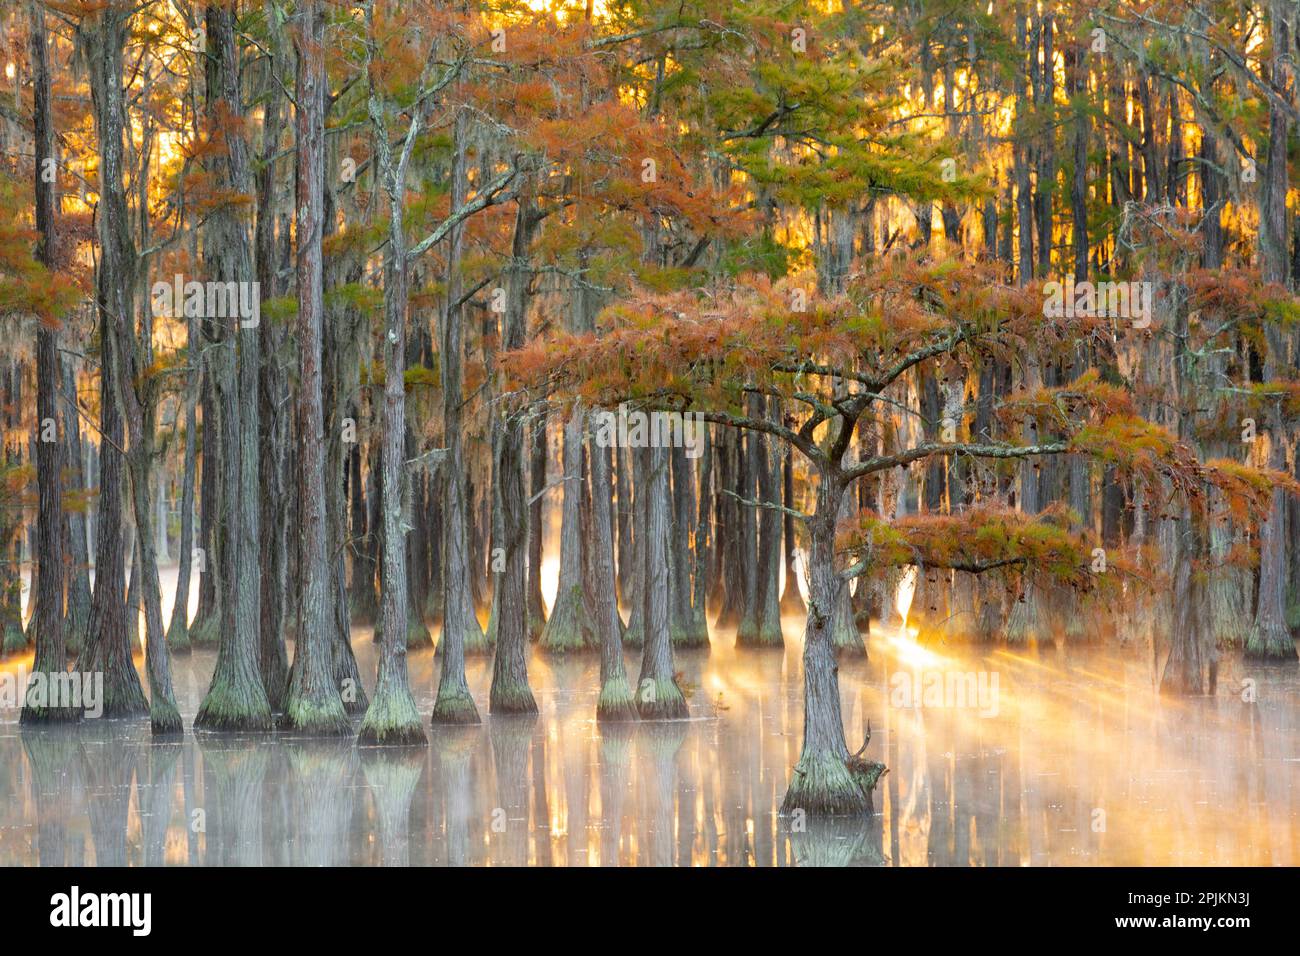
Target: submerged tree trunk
275, 412
823, 783
1192, 656
569, 627
510, 693
206, 626
769, 548
634, 635
50, 661
791, 599
704, 518
107, 647
686, 627
536, 530
236, 698
751, 458
658, 697
313, 703
615, 701
460, 626
178, 630
391, 716
78, 553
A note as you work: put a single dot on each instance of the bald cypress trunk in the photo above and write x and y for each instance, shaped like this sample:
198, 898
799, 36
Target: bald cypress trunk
823, 783
275, 411
751, 456
460, 628
206, 626
178, 630
107, 649
510, 693
391, 716
236, 698
688, 629
51, 655
704, 519
1045, 92
1020, 154
791, 599
769, 545
78, 548
313, 703
129, 357
634, 634
615, 702
728, 584
1269, 637
657, 697
536, 531
569, 627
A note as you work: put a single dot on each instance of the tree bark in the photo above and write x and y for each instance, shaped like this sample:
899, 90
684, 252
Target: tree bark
460, 627
313, 703
50, 660
823, 784
510, 693
236, 699
658, 697
107, 647
391, 717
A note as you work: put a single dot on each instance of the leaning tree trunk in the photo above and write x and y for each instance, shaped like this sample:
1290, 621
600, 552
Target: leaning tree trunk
313, 703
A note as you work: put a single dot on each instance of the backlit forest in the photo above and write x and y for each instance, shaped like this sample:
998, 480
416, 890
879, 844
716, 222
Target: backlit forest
365, 358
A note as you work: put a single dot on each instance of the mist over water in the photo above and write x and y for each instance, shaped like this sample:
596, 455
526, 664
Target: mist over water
1079, 762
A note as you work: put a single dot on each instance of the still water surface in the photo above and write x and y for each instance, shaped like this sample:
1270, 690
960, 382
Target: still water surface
1065, 757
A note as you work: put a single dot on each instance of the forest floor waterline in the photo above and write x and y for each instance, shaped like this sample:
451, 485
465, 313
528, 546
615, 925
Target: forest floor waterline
1042, 757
